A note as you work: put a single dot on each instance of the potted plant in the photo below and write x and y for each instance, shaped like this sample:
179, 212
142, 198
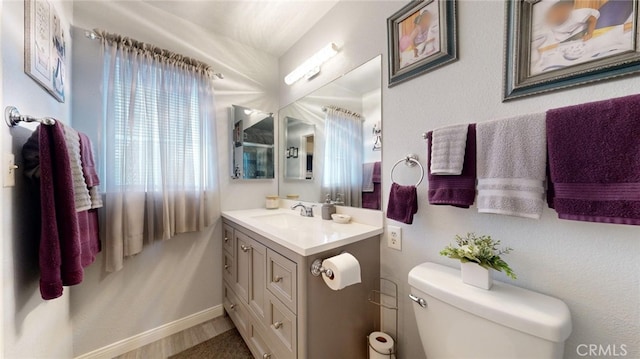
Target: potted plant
478, 254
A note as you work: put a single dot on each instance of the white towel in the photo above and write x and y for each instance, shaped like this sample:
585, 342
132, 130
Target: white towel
80, 191
367, 177
511, 160
447, 150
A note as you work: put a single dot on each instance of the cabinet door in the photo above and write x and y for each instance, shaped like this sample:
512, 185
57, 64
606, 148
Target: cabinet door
227, 239
243, 265
257, 279
228, 268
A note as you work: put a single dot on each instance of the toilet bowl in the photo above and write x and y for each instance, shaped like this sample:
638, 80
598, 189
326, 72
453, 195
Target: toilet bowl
459, 321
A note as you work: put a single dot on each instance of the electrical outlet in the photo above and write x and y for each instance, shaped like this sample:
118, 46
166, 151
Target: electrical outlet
10, 170
394, 237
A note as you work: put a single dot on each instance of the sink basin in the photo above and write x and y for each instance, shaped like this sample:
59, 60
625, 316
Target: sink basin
285, 220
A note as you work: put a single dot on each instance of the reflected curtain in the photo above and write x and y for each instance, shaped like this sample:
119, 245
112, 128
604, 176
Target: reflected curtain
342, 175
159, 143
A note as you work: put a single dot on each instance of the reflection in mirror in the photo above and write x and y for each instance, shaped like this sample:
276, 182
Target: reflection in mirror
299, 151
252, 142
333, 141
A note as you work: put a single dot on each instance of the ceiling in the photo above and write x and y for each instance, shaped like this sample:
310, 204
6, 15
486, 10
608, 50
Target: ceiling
273, 26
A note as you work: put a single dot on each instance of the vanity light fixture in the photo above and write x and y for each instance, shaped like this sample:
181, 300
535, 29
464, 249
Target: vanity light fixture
311, 67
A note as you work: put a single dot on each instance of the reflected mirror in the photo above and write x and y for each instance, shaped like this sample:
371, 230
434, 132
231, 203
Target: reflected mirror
331, 141
252, 144
299, 149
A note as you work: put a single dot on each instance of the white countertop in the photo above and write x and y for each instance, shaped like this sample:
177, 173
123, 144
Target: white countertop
306, 236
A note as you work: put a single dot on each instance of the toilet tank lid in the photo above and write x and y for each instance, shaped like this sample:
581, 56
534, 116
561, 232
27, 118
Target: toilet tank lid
521, 309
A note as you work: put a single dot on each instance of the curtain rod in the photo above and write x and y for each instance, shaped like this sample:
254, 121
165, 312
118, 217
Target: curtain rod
100, 35
340, 109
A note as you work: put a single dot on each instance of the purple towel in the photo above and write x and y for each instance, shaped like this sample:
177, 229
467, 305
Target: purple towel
458, 191
88, 164
88, 220
594, 161
371, 200
377, 172
59, 253
403, 203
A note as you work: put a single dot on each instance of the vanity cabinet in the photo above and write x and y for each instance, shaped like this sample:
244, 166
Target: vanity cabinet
282, 311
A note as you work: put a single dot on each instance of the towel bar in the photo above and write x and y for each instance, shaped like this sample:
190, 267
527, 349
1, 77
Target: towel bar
12, 117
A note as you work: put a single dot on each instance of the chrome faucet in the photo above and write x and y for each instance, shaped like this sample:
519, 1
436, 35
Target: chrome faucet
304, 210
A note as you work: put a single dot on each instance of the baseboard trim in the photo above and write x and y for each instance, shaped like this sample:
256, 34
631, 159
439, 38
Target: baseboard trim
150, 336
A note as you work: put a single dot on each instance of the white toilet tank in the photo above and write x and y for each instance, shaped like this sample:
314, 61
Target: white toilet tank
465, 322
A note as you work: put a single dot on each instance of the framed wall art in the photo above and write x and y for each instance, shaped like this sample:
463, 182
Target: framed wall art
421, 37
45, 47
554, 44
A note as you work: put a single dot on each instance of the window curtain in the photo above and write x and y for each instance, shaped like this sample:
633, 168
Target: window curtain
342, 175
160, 169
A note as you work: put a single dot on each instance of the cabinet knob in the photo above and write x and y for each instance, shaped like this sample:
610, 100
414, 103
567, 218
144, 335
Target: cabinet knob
232, 307
245, 248
226, 239
277, 279
226, 266
266, 356
277, 325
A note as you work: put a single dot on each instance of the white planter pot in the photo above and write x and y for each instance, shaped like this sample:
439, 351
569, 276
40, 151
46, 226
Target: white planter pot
475, 275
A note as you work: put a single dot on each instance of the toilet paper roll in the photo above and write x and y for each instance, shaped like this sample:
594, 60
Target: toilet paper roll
345, 268
380, 346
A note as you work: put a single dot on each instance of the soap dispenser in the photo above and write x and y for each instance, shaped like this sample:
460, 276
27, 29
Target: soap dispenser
328, 208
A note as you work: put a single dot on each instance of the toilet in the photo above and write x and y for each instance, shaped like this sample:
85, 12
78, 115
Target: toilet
458, 321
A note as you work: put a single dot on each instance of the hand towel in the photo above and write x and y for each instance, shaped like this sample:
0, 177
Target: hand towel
403, 203
59, 253
594, 161
89, 171
511, 160
88, 162
377, 172
457, 191
372, 200
367, 177
82, 197
88, 220
448, 149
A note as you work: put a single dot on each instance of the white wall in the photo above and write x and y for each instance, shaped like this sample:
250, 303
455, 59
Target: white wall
168, 280
32, 327
594, 268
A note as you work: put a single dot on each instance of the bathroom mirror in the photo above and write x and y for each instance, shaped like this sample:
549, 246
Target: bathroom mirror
332, 141
252, 144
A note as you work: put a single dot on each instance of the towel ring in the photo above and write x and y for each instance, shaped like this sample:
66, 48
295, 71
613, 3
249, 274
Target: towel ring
410, 160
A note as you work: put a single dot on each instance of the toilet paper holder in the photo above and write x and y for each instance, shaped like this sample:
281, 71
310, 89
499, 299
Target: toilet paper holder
317, 269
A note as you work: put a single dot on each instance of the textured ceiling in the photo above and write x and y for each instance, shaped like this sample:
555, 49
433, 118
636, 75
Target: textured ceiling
272, 25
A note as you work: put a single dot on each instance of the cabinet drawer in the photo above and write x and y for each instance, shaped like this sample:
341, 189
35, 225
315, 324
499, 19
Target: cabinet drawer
259, 342
282, 328
236, 310
228, 239
282, 279
228, 268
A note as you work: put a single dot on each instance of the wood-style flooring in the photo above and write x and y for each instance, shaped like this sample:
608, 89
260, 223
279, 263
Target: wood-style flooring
181, 341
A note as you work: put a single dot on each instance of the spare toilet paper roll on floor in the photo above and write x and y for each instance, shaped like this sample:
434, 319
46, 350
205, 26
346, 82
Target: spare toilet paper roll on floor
345, 268
380, 346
